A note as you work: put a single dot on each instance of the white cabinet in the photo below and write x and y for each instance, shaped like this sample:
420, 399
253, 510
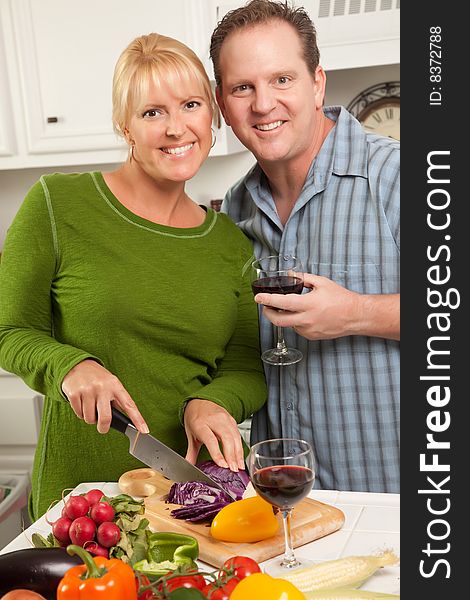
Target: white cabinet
350, 33
20, 410
57, 63
8, 142
356, 33
7, 138
57, 59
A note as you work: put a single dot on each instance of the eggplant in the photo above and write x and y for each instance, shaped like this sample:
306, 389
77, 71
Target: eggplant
36, 569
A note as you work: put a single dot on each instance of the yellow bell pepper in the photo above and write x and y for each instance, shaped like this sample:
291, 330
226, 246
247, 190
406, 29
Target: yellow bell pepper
248, 520
259, 585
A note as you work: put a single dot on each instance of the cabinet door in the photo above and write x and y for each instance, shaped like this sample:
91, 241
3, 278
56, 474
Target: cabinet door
215, 10
204, 15
67, 52
356, 33
351, 33
18, 425
7, 134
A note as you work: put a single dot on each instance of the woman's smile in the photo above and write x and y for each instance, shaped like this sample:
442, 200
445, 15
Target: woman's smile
179, 151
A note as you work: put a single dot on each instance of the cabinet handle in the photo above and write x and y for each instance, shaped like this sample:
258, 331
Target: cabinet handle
52, 119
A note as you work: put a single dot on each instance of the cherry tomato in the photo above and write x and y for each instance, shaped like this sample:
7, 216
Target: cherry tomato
184, 581
142, 581
220, 589
242, 566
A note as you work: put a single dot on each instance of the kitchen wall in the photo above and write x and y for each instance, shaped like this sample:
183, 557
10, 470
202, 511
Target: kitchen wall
218, 173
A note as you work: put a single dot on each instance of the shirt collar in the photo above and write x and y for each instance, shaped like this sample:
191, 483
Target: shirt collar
348, 143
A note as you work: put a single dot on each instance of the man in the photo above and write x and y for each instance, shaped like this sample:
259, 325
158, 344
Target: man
326, 191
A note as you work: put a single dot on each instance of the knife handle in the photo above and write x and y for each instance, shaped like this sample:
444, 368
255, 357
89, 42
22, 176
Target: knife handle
119, 420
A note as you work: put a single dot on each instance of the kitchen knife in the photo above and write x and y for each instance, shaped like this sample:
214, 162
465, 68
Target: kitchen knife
158, 456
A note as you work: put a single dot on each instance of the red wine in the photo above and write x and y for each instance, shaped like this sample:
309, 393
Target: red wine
281, 284
283, 486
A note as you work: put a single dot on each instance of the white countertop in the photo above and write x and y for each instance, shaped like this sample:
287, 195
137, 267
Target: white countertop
372, 524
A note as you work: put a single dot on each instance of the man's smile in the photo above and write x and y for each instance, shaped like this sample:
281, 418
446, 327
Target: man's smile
269, 126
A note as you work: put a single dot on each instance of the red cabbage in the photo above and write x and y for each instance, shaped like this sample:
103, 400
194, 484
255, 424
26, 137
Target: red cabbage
201, 512
190, 493
201, 501
234, 482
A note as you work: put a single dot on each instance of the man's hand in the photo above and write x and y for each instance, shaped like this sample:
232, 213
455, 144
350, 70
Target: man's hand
332, 311
90, 389
208, 423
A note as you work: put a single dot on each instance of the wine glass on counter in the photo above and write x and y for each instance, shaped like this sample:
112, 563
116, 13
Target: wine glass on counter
282, 472
278, 274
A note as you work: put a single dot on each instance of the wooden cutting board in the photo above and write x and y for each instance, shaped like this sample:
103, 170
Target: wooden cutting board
310, 520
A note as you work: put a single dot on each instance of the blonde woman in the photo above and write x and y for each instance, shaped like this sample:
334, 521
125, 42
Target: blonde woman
116, 288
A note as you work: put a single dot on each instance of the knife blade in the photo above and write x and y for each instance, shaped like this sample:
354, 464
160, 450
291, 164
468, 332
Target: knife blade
159, 456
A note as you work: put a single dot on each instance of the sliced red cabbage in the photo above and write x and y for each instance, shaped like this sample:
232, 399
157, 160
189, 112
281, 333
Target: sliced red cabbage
234, 482
200, 501
202, 512
194, 492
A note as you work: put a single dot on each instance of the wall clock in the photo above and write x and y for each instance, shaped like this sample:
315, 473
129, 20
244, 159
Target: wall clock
378, 109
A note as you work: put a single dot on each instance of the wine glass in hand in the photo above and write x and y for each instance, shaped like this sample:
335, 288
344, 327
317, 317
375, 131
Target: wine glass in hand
281, 274
282, 472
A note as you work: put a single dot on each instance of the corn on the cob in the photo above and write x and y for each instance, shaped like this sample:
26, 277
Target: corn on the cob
347, 594
350, 571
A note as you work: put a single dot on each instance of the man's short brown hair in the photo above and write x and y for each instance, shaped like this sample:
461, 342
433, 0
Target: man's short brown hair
258, 12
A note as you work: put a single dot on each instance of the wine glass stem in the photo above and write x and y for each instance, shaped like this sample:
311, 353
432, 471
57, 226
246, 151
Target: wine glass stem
281, 344
289, 559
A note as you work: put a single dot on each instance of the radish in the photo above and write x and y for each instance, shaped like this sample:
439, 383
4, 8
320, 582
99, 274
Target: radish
60, 530
76, 506
82, 530
108, 534
96, 549
94, 496
102, 512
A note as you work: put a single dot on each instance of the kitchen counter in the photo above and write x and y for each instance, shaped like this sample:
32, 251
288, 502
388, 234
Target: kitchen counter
372, 524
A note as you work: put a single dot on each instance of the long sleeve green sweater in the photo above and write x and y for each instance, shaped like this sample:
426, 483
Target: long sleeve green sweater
169, 311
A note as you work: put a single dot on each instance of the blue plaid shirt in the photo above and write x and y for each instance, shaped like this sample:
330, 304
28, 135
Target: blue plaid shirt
343, 397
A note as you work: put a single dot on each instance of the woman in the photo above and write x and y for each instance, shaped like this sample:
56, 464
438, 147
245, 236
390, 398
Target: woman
117, 287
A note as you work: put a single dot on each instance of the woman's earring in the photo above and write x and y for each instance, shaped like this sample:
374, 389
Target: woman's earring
214, 137
131, 152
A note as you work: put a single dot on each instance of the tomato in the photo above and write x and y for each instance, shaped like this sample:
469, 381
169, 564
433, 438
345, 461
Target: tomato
142, 581
220, 589
242, 566
184, 581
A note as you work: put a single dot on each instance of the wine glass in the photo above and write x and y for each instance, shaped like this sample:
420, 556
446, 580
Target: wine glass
281, 274
282, 472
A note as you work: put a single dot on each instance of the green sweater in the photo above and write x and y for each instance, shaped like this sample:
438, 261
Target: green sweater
169, 311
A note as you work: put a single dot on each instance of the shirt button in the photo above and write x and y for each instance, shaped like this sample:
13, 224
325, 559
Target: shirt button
290, 406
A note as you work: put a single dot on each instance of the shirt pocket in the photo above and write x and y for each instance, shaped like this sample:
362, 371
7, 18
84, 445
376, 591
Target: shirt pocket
362, 278
365, 279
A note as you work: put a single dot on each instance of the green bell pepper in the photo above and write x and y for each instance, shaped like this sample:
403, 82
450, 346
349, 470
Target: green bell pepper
167, 552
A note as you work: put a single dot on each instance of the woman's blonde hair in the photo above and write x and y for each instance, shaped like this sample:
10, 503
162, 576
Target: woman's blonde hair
157, 58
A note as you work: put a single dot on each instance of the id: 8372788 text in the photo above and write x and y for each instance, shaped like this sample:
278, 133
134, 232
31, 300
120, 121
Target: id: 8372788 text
435, 65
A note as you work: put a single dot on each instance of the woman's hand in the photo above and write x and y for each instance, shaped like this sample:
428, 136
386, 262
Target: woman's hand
208, 423
90, 389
